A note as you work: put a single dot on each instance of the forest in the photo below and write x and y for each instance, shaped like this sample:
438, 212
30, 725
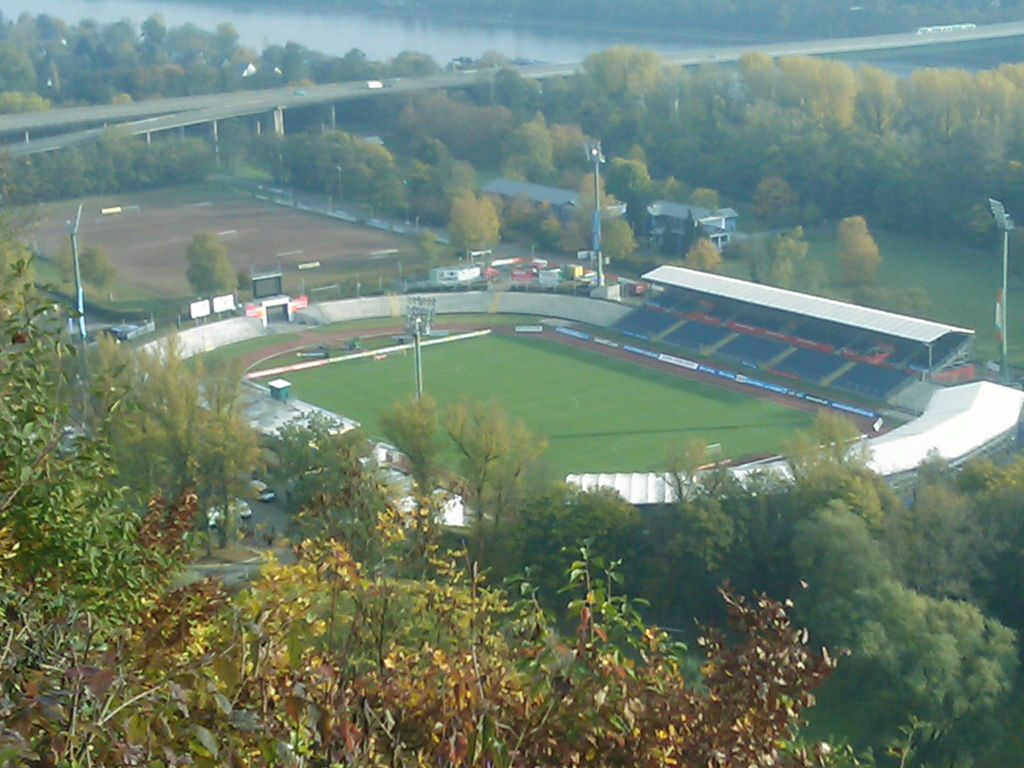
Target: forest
917, 154
563, 627
842, 621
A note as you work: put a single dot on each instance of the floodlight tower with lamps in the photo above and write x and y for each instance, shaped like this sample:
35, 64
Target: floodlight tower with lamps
419, 318
595, 156
1005, 224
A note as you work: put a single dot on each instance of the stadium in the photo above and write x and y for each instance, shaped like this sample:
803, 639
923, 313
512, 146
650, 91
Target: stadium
612, 387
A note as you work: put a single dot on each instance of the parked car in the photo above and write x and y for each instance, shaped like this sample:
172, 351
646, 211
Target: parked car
267, 495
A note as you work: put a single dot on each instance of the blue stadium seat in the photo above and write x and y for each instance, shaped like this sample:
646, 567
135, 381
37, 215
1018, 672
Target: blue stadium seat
645, 323
753, 349
871, 380
810, 365
696, 336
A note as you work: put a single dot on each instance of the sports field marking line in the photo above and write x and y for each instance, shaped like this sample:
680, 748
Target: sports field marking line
227, 232
359, 355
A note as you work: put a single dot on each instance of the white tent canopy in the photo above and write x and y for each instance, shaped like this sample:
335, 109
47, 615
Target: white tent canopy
958, 421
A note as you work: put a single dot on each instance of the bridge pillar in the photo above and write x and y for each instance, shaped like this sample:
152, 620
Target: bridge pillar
27, 137
216, 140
279, 121
149, 138
258, 126
334, 118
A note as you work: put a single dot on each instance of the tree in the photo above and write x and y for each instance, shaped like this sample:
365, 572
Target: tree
495, 453
938, 661
67, 532
17, 72
413, 427
182, 427
775, 201
703, 255
551, 526
96, 267
858, 253
209, 270
617, 240
705, 198
777, 259
530, 152
630, 181
14, 101
515, 92
474, 223
623, 73
939, 544
878, 99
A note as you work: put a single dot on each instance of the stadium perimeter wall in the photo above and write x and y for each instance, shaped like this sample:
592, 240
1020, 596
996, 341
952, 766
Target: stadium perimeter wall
574, 308
203, 338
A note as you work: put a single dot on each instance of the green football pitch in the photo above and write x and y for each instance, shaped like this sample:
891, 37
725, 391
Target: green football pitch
598, 414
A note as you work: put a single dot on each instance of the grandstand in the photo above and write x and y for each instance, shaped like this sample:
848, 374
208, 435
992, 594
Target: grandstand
646, 323
867, 352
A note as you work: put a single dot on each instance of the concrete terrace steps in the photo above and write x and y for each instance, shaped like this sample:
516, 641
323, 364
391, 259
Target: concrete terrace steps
844, 368
671, 329
713, 349
779, 357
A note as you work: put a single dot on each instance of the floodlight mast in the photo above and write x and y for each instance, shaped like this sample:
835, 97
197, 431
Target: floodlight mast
595, 155
79, 293
1005, 224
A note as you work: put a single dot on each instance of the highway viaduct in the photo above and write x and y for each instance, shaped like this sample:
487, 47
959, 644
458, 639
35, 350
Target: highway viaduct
76, 125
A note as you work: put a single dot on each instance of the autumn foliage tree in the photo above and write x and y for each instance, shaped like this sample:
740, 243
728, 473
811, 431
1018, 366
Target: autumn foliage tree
858, 253
775, 201
474, 223
209, 270
703, 255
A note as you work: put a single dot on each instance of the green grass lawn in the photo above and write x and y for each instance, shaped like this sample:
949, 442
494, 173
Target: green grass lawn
597, 414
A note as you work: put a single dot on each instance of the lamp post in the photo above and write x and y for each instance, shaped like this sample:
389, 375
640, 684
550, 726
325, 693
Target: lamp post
338, 169
595, 155
1005, 223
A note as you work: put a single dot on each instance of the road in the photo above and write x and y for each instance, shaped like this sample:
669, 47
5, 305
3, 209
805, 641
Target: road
166, 114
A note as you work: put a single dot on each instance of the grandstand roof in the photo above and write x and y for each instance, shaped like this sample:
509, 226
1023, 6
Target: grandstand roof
537, 193
817, 307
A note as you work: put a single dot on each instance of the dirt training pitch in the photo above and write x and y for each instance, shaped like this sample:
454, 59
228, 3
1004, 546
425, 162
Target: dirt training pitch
147, 244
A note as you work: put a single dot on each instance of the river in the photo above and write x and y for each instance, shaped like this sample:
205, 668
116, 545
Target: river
381, 36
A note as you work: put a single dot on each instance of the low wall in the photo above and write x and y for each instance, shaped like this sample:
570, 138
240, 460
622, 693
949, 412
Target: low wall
574, 308
203, 338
